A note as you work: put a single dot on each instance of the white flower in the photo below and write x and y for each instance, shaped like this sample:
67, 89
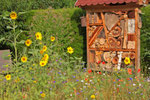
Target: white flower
82, 81
140, 84
134, 84
71, 95
90, 80
86, 83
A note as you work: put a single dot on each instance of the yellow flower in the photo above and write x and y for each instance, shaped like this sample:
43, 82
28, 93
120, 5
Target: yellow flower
43, 95
28, 42
17, 80
8, 77
38, 36
13, 15
52, 38
70, 50
127, 60
92, 96
43, 63
45, 58
34, 81
44, 48
30, 68
24, 59
41, 51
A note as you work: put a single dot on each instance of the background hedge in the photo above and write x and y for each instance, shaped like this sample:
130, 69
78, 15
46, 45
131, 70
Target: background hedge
25, 5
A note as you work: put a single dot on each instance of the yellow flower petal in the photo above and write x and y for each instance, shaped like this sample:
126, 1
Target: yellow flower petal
28, 42
52, 38
24, 59
70, 50
38, 36
8, 77
13, 15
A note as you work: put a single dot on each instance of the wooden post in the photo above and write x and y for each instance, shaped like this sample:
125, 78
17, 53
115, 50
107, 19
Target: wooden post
87, 39
137, 42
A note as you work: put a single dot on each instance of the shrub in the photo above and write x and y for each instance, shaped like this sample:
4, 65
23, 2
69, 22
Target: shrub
64, 24
25, 5
145, 40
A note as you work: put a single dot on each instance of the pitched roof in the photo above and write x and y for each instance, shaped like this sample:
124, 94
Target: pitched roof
96, 2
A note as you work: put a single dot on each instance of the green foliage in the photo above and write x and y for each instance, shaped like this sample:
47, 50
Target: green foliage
64, 24
25, 5
145, 40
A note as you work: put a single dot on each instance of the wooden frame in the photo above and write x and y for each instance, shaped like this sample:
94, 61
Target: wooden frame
100, 26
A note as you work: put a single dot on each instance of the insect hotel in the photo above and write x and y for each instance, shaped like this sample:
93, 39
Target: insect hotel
113, 33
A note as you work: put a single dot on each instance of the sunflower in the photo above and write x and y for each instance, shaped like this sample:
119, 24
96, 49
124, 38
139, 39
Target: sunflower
45, 58
127, 60
13, 15
41, 51
44, 48
8, 77
28, 42
24, 59
92, 96
52, 38
38, 36
43, 95
70, 50
43, 63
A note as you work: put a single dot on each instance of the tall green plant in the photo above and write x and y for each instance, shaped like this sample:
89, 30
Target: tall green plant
145, 39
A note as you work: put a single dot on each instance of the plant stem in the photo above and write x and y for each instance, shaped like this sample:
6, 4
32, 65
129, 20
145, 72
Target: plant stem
15, 42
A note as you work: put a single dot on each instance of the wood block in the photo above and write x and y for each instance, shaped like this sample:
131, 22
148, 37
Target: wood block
131, 45
110, 20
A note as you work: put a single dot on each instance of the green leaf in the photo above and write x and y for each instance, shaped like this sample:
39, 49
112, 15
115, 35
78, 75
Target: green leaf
21, 42
9, 27
2, 39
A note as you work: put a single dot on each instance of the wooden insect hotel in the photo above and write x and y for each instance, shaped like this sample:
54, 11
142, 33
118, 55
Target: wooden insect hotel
113, 32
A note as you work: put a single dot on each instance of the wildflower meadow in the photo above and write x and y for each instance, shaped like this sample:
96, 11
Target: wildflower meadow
42, 73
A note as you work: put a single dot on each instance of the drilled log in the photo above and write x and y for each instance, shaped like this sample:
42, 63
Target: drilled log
125, 54
102, 41
115, 60
132, 55
119, 42
116, 32
113, 54
112, 42
107, 57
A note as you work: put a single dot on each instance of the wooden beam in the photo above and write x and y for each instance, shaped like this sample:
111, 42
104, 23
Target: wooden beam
95, 34
105, 28
125, 34
111, 49
87, 39
137, 43
136, 40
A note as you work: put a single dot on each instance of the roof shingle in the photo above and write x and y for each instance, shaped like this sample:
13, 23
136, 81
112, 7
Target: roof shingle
96, 2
